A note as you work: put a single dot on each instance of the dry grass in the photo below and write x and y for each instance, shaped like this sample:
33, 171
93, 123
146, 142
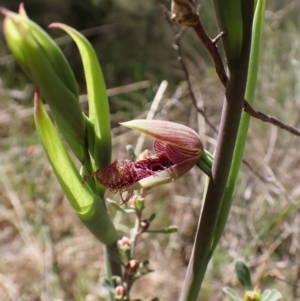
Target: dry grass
47, 254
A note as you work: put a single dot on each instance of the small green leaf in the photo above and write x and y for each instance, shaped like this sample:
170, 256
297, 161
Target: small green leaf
144, 263
168, 230
271, 295
152, 217
116, 279
106, 283
243, 274
143, 273
140, 204
232, 294
116, 206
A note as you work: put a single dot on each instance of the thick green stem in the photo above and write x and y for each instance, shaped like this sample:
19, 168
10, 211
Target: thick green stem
231, 114
228, 130
242, 134
113, 268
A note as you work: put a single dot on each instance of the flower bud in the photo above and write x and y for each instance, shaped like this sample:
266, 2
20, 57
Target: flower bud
132, 266
124, 242
44, 63
120, 292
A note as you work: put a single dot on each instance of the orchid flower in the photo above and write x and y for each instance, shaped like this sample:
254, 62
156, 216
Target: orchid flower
177, 148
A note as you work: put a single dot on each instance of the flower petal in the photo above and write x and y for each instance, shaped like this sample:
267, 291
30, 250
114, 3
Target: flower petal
166, 176
159, 146
178, 154
167, 132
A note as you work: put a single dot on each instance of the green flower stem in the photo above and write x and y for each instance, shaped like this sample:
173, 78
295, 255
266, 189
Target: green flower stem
112, 267
200, 256
205, 162
245, 120
231, 114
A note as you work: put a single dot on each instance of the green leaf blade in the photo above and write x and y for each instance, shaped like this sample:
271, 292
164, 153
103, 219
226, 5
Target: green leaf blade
44, 63
86, 204
98, 102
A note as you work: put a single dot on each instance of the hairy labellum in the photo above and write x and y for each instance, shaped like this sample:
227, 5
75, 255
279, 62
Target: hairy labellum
177, 149
121, 174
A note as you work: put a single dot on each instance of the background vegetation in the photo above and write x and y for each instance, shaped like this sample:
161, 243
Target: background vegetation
46, 253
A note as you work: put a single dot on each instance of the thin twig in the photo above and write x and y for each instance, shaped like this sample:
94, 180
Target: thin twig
219, 69
177, 47
269, 119
137, 231
263, 179
211, 47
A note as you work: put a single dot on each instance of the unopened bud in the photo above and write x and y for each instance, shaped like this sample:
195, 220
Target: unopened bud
132, 266
137, 202
125, 245
120, 292
124, 242
252, 295
145, 224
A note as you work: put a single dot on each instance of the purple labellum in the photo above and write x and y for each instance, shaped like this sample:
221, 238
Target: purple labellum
121, 174
177, 149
